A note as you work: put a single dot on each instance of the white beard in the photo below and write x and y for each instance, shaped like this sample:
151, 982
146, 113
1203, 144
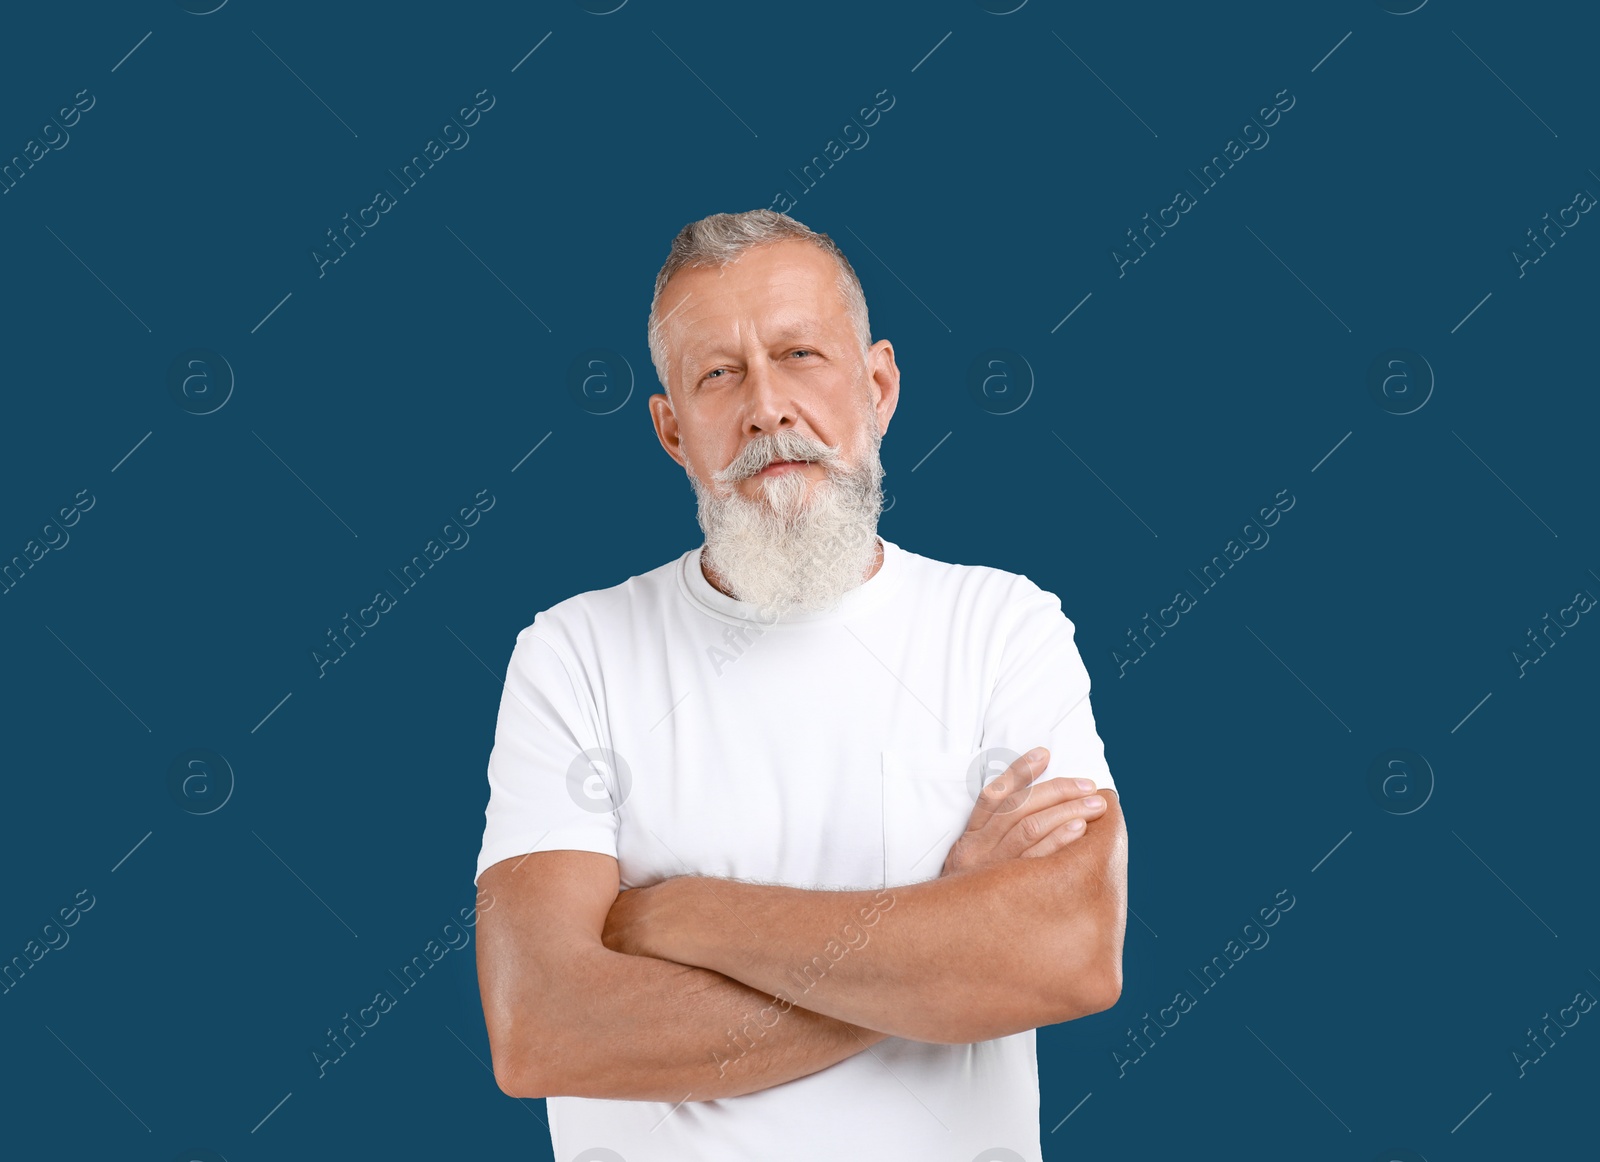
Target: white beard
785, 551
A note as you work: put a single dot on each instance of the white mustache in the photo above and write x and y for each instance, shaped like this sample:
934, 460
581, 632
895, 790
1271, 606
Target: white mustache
755, 457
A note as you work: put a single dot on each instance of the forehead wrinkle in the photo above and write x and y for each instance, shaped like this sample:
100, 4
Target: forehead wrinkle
784, 329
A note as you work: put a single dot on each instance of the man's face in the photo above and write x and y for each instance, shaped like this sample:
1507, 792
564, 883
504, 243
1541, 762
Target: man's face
762, 351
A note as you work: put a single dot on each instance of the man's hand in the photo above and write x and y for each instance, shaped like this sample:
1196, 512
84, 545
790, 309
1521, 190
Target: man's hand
1012, 820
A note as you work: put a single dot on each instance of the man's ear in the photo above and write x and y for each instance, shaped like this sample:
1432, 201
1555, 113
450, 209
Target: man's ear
666, 425
884, 375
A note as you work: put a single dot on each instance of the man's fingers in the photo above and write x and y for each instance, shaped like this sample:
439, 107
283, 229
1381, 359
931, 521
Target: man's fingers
1074, 828
1038, 825
1003, 803
1057, 839
1014, 815
1050, 793
1010, 791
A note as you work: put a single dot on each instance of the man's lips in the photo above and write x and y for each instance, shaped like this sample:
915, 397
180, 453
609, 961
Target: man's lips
778, 466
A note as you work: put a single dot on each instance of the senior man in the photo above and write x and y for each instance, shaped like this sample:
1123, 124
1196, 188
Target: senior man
758, 893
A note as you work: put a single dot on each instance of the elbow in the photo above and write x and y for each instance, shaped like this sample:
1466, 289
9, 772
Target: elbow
1017, 1012
1082, 998
1109, 990
1101, 986
516, 1085
1087, 976
1093, 986
514, 1074
530, 1051
544, 1061
521, 1056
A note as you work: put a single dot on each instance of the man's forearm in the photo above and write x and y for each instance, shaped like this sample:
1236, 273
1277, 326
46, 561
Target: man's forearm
967, 957
643, 1029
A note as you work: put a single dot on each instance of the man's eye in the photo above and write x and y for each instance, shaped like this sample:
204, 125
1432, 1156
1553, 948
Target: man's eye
803, 351
714, 371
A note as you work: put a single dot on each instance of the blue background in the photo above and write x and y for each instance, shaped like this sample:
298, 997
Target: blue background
1144, 414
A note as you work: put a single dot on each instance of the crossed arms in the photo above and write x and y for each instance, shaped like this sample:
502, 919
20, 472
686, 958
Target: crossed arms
689, 989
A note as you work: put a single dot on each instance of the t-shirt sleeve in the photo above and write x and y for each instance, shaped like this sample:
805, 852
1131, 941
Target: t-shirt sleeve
545, 763
1041, 697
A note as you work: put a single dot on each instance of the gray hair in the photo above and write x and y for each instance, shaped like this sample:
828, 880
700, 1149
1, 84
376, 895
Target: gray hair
718, 239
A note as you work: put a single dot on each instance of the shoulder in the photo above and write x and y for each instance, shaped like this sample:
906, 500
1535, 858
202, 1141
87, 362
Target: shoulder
575, 626
1003, 597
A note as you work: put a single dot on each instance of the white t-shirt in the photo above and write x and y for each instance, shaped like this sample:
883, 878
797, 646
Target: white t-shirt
662, 722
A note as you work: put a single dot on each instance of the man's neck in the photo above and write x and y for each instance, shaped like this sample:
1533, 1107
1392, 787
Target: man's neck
716, 582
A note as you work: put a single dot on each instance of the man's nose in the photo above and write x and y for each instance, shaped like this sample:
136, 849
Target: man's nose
769, 405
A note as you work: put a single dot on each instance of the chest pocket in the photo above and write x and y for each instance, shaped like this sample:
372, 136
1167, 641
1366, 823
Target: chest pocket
928, 797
